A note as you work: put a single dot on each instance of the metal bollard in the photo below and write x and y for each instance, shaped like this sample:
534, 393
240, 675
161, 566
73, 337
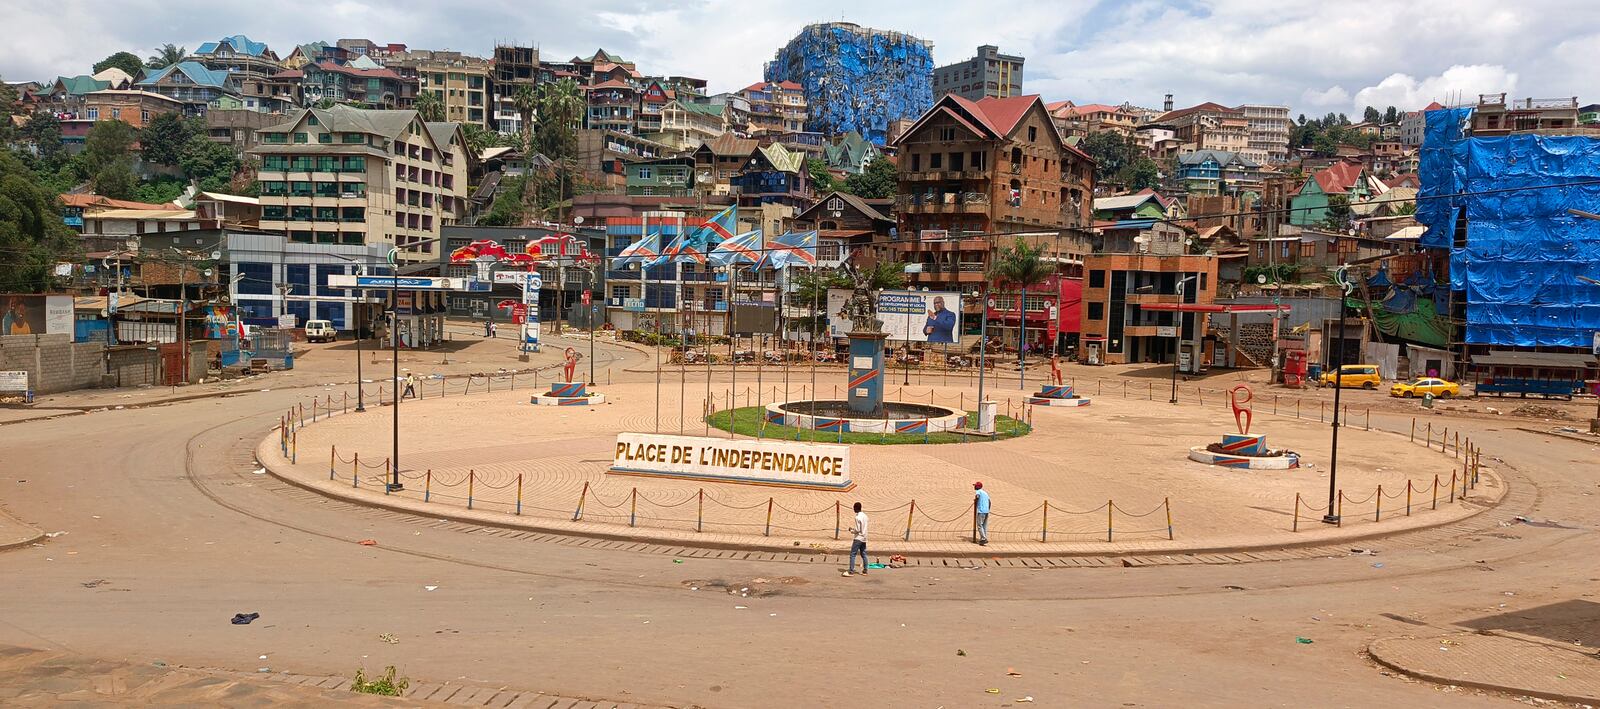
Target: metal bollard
633, 507
1044, 525
700, 510
1167, 503
909, 514
519, 493
427, 485
1296, 526
471, 478
768, 531
1110, 505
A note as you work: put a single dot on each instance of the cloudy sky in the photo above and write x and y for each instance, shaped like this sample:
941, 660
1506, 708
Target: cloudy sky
1313, 55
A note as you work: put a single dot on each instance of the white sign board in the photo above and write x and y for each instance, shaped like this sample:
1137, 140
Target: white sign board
1166, 331
58, 315
918, 316
286, 321
740, 461
14, 381
531, 278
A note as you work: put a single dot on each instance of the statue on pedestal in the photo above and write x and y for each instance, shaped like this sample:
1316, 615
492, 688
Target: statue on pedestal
861, 309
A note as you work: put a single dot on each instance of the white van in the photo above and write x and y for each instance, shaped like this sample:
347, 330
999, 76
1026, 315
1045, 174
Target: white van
320, 331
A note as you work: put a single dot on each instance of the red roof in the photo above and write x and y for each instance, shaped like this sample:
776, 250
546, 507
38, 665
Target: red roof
1095, 108
999, 114
1058, 105
762, 86
1207, 107
289, 74
612, 84
370, 73
1432, 106
1337, 178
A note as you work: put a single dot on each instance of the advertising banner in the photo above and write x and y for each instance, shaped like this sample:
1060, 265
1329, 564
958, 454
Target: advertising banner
35, 315
920, 316
756, 462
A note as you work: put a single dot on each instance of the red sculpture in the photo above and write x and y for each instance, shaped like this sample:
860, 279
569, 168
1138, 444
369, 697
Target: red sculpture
1241, 408
570, 366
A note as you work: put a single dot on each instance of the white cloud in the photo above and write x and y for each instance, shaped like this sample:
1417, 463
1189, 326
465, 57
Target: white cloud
1455, 85
1330, 97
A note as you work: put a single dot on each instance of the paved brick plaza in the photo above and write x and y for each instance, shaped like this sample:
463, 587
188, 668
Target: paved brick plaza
1130, 451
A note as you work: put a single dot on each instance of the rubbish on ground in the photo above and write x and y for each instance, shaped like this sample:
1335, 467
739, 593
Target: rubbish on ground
993, 690
159, 663
263, 657
368, 543
677, 561
53, 535
263, 670
93, 584
259, 471
1028, 698
389, 638
961, 653
740, 608
876, 566
1378, 565
1303, 641
1012, 673
430, 588
1366, 552
244, 618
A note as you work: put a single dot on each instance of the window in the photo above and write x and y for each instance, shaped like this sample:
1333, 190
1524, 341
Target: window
327, 214
1097, 279
312, 120
324, 137
144, 116
355, 163
300, 214
977, 159
1308, 250
274, 138
644, 173
916, 163
353, 138
1097, 311
327, 163
93, 113
300, 188
936, 161
116, 114
352, 189
274, 188
327, 189
302, 163
300, 236
1033, 134
947, 133
301, 138
353, 214
274, 211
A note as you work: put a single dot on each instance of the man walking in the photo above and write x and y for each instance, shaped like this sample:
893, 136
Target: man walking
487, 327
411, 387
980, 499
858, 544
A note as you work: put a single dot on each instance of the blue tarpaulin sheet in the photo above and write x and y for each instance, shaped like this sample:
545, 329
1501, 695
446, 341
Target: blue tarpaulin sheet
1525, 250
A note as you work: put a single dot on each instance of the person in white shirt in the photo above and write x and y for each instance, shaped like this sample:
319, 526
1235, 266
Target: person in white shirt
858, 544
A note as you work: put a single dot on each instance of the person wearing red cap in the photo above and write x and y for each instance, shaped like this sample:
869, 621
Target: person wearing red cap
980, 502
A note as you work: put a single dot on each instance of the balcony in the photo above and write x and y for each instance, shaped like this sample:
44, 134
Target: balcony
1151, 298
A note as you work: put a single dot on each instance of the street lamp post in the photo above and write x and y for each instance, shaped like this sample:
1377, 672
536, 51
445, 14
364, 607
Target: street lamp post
1177, 349
1332, 516
983, 337
394, 339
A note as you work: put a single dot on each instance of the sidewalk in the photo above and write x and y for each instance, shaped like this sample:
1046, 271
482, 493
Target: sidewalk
15, 533
1496, 662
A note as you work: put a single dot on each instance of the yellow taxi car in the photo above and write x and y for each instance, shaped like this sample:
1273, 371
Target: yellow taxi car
1364, 376
1423, 386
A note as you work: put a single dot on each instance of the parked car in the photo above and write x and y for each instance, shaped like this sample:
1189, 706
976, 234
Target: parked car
320, 331
1423, 386
1355, 375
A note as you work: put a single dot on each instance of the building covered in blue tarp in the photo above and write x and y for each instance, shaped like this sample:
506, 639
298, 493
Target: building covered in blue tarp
857, 78
1506, 208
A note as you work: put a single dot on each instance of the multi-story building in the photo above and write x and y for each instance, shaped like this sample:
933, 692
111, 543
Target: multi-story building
856, 77
1344, 182
982, 168
190, 83
1117, 328
1212, 126
130, 106
685, 125
1589, 115
673, 177
775, 107
652, 98
460, 81
514, 67
1494, 116
989, 74
850, 153
1268, 142
242, 59
1215, 172
611, 105
736, 110
1080, 121
774, 175
351, 176
379, 88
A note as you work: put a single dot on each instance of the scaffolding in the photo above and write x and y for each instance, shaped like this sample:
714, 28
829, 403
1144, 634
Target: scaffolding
857, 78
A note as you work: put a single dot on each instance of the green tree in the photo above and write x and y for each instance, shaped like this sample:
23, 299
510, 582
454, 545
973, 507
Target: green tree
821, 179
43, 131
507, 207
1324, 145
1110, 151
879, 181
811, 288
324, 103
166, 55
1142, 174
164, 138
109, 141
526, 101
116, 179
1022, 267
1372, 115
210, 164
160, 189
430, 107
1391, 115
32, 237
479, 138
1338, 218
560, 115
126, 61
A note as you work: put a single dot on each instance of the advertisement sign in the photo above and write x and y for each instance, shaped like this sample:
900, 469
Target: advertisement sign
35, 315
219, 322
918, 316
633, 305
286, 321
1166, 331
757, 462
14, 381
934, 234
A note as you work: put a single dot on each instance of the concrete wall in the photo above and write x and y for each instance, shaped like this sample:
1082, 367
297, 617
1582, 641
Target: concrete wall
134, 365
54, 362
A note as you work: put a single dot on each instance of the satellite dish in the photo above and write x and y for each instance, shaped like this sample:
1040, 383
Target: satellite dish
208, 273
216, 256
1261, 278
577, 220
131, 244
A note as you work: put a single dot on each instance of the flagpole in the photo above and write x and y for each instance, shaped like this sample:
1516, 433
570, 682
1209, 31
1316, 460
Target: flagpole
733, 349
646, 268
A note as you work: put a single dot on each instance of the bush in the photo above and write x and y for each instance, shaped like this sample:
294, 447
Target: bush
385, 685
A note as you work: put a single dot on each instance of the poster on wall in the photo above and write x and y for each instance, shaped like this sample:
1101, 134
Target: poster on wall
219, 322
35, 315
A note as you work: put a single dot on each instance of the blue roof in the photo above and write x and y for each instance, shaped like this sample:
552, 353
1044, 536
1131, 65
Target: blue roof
196, 73
239, 42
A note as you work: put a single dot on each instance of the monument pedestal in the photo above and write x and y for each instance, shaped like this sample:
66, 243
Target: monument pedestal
866, 373
568, 394
1057, 395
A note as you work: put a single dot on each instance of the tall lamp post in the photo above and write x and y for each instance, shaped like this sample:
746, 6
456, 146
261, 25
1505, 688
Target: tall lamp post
1177, 349
983, 335
361, 399
1343, 279
394, 339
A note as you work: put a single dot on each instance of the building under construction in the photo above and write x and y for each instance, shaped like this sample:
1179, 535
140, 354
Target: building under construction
857, 78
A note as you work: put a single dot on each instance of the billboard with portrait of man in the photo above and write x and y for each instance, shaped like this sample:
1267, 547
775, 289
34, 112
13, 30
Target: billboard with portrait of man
933, 317
36, 315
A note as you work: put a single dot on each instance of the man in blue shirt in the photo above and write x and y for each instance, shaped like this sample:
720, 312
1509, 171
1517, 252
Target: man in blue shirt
941, 323
980, 499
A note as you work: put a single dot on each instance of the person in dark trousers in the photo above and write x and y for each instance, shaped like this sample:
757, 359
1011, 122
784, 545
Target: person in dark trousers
411, 387
858, 543
980, 501
488, 328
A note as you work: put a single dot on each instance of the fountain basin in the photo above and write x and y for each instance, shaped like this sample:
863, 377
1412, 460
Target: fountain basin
893, 417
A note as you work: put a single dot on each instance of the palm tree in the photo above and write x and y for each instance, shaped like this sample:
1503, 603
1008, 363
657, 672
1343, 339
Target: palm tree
526, 102
166, 55
1024, 267
430, 107
560, 113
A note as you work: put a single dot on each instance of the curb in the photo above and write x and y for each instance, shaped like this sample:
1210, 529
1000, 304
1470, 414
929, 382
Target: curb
1391, 664
1591, 440
37, 536
644, 536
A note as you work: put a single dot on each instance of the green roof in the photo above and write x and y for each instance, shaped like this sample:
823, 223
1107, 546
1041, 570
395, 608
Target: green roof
81, 84
784, 159
701, 108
